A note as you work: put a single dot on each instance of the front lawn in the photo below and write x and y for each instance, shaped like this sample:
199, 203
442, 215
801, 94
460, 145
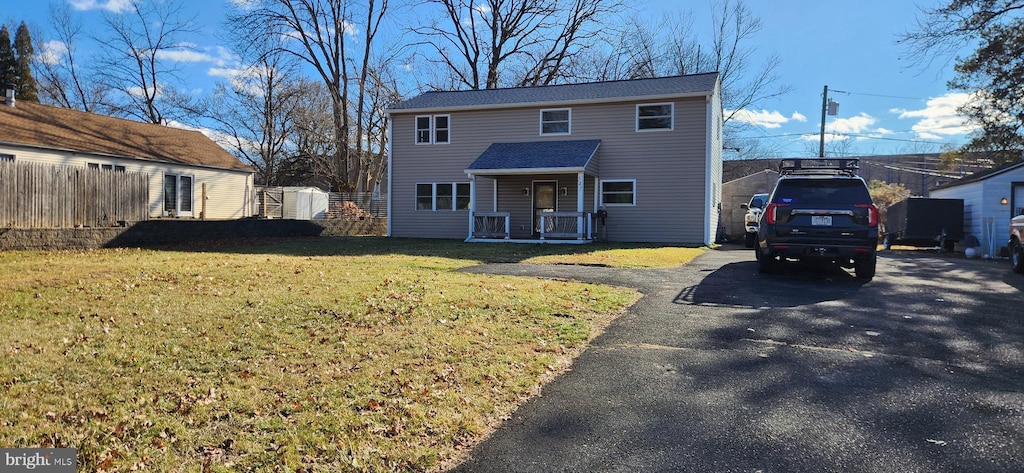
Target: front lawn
352, 354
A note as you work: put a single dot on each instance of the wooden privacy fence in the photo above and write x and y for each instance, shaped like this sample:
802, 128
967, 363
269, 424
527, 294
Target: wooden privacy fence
34, 195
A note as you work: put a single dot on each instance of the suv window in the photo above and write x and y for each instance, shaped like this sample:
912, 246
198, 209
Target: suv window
836, 191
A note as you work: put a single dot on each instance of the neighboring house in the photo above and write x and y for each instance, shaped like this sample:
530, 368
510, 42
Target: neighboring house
737, 192
542, 162
186, 169
991, 199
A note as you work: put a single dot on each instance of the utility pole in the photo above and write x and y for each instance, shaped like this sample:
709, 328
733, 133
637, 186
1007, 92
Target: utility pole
832, 108
824, 106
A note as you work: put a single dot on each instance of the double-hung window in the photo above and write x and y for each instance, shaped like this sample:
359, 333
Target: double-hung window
618, 192
654, 116
442, 196
433, 129
556, 121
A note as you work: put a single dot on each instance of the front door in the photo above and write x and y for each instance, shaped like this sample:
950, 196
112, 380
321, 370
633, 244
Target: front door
545, 199
1018, 200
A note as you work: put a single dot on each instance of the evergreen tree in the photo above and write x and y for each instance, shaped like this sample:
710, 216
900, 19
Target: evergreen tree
26, 84
8, 63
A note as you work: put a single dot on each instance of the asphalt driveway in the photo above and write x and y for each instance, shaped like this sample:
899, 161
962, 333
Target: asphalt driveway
721, 369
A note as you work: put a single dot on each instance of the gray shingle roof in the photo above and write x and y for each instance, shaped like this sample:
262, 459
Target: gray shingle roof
510, 157
696, 84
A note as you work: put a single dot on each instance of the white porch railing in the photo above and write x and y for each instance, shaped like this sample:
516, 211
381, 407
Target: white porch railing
565, 225
491, 225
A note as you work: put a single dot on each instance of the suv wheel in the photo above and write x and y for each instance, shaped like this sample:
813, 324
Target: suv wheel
864, 268
765, 264
1017, 258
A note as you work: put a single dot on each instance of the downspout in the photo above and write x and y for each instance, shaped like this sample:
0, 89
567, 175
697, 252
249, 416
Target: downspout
391, 200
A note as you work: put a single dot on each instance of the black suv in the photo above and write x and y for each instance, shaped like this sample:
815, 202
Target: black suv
819, 210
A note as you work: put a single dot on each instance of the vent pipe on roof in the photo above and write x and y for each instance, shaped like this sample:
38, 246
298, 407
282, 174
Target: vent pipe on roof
9, 94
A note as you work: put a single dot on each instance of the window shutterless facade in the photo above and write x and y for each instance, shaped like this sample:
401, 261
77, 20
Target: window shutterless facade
433, 129
178, 194
618, 192
556, 121
654, 116
106, 167
442, 196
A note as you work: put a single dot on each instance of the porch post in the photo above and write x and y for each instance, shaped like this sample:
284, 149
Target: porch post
579, 205
472, 205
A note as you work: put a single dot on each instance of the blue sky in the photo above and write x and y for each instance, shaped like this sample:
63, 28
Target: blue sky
887, 105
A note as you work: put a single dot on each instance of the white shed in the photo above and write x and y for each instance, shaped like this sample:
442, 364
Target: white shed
991, 199
304, 203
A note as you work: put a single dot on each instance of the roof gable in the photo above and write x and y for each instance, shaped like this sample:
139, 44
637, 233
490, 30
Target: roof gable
35, 125
659, 87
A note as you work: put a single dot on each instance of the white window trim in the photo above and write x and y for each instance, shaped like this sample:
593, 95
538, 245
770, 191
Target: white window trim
540, 117
431, 130
671, 116
177, 197
416, 130
416, 196
601, 192
433, 196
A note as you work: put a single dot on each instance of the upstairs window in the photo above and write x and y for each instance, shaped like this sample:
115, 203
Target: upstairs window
433, 129
555, 121
654, 116
6, 157
441, 129
422, 130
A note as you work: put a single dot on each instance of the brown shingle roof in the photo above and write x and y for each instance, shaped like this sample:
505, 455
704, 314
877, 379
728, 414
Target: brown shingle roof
61, 128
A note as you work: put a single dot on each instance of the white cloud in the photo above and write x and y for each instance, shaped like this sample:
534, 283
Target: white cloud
829, 137
939, 117
113, 6
857, 124
184, 56
52, 52
764, 118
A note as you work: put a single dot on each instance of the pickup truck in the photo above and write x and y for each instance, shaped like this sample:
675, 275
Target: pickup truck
1016, 244
750, 220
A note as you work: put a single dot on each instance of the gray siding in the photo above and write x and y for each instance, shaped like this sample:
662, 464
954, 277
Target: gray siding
670, 169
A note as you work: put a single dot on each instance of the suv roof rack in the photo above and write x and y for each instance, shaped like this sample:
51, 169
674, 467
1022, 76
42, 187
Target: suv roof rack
834, 166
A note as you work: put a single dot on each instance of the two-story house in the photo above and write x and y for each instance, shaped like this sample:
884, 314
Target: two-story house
632, 161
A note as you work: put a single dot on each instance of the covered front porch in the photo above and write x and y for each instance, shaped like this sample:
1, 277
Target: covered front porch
540, 192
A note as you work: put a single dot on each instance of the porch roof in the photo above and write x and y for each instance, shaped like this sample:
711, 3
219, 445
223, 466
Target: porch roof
535, 157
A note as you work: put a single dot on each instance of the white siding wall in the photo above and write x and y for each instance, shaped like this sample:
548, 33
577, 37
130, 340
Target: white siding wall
669, 168
228, 192
985, 216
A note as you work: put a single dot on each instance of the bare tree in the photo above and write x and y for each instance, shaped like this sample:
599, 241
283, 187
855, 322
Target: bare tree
62, 79
134, 63
530, 42
743, 83
255, 112
320, 33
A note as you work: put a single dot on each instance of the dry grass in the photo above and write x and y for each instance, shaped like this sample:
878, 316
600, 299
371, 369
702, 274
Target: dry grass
293, 355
